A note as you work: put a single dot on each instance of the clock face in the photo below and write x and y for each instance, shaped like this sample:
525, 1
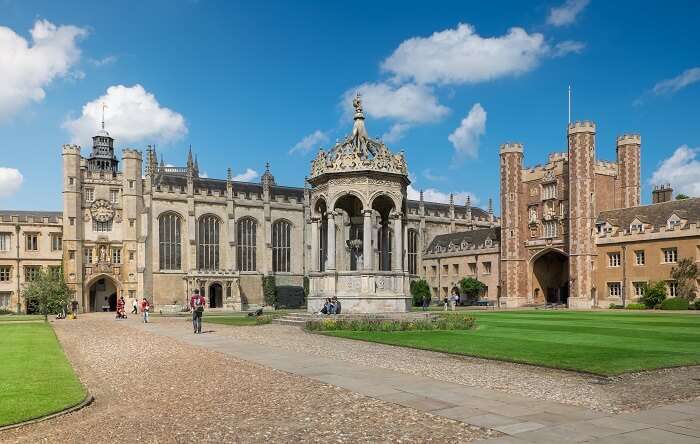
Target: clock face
102, 210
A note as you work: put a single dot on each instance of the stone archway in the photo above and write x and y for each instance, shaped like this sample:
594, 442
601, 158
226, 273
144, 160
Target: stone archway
102, 292
550, 271
216, 295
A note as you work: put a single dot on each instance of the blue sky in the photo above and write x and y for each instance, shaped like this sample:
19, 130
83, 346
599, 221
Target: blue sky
246, 83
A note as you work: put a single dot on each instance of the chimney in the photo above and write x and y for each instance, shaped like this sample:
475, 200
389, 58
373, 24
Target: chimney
661, 193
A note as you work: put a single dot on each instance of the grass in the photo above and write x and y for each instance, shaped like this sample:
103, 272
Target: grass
603, 343
14, 318
36, 378
234, 320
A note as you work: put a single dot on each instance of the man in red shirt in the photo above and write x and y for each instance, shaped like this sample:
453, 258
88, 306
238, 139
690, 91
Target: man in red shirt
197, 303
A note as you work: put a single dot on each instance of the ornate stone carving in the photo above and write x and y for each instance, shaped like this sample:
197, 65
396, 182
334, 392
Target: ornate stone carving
102, 210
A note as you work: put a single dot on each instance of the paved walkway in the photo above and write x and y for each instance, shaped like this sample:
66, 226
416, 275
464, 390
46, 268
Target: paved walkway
521, 419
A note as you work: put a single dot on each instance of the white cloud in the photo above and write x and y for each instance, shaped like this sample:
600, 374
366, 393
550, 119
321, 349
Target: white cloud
249, 175
132, 115
456, 56
428, 174
307, 143
396, 132
465, 138
434, 195
408, 103
681, 170
108, 60
670, 86
567, 47
10, 181
566, 13
27, 68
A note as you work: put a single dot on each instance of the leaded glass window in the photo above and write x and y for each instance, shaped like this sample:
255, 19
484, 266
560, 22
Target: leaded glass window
246, 242
169, 241
208, 243
281, 246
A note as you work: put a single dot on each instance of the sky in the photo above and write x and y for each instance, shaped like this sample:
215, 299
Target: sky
244, 83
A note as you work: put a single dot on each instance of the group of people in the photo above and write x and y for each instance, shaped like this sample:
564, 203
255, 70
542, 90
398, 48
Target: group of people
145, 308
452, 301
331, 306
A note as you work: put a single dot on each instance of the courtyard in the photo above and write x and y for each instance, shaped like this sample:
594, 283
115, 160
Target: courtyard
275, 383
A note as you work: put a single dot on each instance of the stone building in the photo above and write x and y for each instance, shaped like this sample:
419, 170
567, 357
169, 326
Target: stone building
549, 212
473, 253
29, 241
641, 244
136, 227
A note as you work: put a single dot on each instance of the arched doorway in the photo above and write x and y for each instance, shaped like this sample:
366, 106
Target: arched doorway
216, 299
384, 207
103, 294
551, 278
350, 207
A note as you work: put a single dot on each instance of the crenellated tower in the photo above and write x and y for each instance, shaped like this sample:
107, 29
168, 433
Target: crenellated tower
72, 220
628, 161
581, 141
513, 263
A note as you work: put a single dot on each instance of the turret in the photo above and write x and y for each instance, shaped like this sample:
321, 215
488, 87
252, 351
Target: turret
513, 263
628, 161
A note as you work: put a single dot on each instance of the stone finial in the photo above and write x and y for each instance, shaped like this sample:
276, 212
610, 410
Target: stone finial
421, 195
190, 163
452, 199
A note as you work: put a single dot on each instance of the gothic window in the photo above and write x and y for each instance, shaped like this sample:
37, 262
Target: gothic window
89, 194
208, 243
384, 247
99, 227
169, 241
412, 251
550, 229
246, 243
281, 246
549, 191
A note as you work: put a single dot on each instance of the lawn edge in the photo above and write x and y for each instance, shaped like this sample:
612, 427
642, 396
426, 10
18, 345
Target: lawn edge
89, 399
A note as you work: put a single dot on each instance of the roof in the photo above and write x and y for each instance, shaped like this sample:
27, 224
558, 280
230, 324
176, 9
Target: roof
654, 214
238, 187
464, 239
459, 209
6, 215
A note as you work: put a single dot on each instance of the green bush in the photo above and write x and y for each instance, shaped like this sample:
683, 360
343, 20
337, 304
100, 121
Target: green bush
447, 321
264, 319
636, 306
6, 311
470, 290
269, 290
696, 305
616, 306
419, 289
675, 304
654, 294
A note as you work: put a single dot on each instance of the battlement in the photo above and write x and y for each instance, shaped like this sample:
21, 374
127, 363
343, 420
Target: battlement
71, 149
584, 126
511, 147
555, 157
129, 153
629, 139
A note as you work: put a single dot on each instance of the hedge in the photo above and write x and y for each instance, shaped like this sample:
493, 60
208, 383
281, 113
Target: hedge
636, 307
448, 321
675, 304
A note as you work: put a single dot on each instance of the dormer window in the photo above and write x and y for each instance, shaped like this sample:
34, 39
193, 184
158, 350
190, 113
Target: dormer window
604, 228
673, 221
636, 226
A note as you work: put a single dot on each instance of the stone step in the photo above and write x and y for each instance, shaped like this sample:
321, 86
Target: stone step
292, 322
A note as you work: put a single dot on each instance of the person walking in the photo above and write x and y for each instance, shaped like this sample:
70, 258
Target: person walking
134, 306
197, 302
145, 308
453, 299
425, 303
445, 302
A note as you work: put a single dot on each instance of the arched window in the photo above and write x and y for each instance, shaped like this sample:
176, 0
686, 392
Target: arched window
281, 246
170, 241
245, 237
208, 243
412, 251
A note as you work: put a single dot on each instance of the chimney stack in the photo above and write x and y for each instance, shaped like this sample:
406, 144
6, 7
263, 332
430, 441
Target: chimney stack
662, 193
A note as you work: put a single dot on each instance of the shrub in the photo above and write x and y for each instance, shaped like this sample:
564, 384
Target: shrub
616, 306
448, 321
7, 311
636, 306
264, 319
290, 296
420, 289
654, 294
269, 290
471, 288
696, 305
675, 304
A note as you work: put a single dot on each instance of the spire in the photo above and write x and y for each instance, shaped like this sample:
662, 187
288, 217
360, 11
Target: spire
452, 199
490, 205
196, 163
104, 105
469, 207
189, 158
421, 195
229, 176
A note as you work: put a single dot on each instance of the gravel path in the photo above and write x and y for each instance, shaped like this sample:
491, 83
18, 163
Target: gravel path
623, 393
150, 388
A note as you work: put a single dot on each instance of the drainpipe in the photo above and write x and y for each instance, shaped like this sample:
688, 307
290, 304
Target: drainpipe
623, 287
19, 304
439, 272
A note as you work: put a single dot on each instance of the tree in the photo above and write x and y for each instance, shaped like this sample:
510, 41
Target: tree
681, 196
471, 288
420, 289
685, 274
654, 294
269, 291
48, 292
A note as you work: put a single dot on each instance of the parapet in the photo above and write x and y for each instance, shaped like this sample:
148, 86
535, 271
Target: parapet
71, 149
629, 139
511, 147
129, 153
584, 126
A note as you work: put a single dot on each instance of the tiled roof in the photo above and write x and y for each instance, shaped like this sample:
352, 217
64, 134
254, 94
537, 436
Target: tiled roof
463, 240
654, 214
6, 215
442, 207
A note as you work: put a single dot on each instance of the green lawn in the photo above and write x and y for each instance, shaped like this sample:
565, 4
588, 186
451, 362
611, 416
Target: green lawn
11, 318
36, 379
229, 320
605, 343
